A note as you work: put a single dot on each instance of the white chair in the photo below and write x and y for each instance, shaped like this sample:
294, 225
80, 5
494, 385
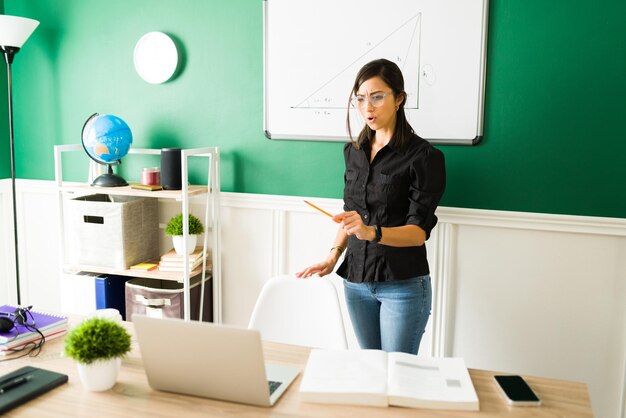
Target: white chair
301, 312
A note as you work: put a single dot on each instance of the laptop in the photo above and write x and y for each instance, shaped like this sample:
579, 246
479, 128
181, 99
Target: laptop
209, 360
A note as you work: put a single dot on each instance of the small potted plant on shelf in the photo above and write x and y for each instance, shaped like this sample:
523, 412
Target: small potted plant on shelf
98, 344
175, 229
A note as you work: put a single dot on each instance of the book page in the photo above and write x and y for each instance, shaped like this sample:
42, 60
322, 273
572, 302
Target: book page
345, 376
430, 382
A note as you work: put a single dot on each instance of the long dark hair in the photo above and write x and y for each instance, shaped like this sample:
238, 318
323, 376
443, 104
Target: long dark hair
390, 73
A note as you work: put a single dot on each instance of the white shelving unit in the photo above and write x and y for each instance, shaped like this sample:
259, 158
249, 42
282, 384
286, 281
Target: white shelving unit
211, 219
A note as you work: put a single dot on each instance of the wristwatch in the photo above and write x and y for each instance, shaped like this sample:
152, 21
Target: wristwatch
379, 234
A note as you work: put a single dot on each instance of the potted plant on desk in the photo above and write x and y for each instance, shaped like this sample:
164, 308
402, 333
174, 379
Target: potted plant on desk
97, 344
175, 229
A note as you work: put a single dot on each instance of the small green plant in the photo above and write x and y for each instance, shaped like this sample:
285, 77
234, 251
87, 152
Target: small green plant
175, 225
97, 339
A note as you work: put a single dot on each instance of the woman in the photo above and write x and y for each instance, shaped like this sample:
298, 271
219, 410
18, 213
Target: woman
394, 181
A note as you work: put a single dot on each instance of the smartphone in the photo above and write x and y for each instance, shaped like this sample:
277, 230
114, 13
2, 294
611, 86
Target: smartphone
516, 391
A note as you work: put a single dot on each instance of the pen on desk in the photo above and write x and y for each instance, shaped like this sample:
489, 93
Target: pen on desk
14, 383
317, 208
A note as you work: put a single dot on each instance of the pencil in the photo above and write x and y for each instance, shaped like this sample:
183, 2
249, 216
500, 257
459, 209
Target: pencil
320, 209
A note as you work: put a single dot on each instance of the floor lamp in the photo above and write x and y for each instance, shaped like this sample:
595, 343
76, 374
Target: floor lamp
14, 31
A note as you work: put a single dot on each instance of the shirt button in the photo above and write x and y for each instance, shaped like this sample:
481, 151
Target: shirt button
364, 216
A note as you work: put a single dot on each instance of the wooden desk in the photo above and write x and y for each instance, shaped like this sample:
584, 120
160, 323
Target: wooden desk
133, 397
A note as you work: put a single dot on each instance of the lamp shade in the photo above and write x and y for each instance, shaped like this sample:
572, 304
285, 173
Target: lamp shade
15, 30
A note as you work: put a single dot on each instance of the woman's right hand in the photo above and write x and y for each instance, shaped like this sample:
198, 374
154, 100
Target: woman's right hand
325, 267
321, 269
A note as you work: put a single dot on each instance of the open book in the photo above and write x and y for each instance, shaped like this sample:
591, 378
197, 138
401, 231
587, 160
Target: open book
377, 378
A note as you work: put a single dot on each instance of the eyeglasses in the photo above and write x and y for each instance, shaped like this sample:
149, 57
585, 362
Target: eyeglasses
376, 100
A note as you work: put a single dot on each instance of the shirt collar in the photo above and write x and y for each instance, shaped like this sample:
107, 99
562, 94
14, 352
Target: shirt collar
367, 147
395, 148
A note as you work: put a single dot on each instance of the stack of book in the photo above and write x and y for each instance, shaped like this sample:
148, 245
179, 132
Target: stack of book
171, 261
20, 336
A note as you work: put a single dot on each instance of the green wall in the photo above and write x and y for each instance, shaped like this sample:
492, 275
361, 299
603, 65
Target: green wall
554, 131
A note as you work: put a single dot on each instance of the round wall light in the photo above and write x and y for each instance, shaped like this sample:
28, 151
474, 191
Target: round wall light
155, 57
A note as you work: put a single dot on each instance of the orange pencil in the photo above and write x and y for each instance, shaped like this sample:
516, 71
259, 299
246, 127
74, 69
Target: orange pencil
317, 208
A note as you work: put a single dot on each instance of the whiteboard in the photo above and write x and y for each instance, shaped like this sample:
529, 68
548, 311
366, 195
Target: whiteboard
313, 50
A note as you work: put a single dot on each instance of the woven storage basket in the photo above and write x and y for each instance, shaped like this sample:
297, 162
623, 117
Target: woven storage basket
112, 231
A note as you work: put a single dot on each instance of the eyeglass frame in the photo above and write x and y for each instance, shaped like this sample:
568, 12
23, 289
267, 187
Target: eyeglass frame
369, 99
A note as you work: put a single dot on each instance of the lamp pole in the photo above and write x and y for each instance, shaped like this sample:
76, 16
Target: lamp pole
9, 53
14, 31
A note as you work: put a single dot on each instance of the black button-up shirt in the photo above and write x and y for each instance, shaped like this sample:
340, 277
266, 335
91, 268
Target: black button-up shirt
400, 187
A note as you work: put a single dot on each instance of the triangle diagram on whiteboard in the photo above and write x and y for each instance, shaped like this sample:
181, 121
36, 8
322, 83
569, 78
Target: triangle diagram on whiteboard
401, 46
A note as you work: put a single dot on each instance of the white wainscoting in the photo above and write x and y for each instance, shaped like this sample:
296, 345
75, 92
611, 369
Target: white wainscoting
7, 254
535, 294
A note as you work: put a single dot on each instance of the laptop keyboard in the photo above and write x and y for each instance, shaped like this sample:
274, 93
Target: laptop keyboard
273, 385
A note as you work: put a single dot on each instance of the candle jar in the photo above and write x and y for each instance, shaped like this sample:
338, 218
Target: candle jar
151, 176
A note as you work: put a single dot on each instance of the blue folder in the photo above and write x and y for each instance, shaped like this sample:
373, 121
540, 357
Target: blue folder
110, 292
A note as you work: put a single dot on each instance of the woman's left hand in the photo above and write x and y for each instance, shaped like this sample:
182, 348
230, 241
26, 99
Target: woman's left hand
352, 224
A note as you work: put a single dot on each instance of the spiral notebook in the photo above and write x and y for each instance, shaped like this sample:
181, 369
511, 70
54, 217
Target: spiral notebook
40, 320
25, 384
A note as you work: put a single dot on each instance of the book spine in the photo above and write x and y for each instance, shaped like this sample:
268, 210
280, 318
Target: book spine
30, 334
101, 300
8, 349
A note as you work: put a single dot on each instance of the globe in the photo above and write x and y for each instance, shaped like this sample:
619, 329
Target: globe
107, 139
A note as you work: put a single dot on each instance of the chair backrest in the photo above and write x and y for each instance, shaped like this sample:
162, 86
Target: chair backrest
300, 311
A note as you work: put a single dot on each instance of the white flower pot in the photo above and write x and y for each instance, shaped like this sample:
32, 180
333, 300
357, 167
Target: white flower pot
99, 375
178, 243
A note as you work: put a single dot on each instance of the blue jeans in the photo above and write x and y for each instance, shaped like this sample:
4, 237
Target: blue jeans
390, 316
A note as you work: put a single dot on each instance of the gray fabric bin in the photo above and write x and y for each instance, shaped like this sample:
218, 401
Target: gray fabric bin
112, 231
165, 299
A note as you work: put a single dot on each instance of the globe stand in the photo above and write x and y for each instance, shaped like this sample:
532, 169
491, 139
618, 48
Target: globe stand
109, 179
